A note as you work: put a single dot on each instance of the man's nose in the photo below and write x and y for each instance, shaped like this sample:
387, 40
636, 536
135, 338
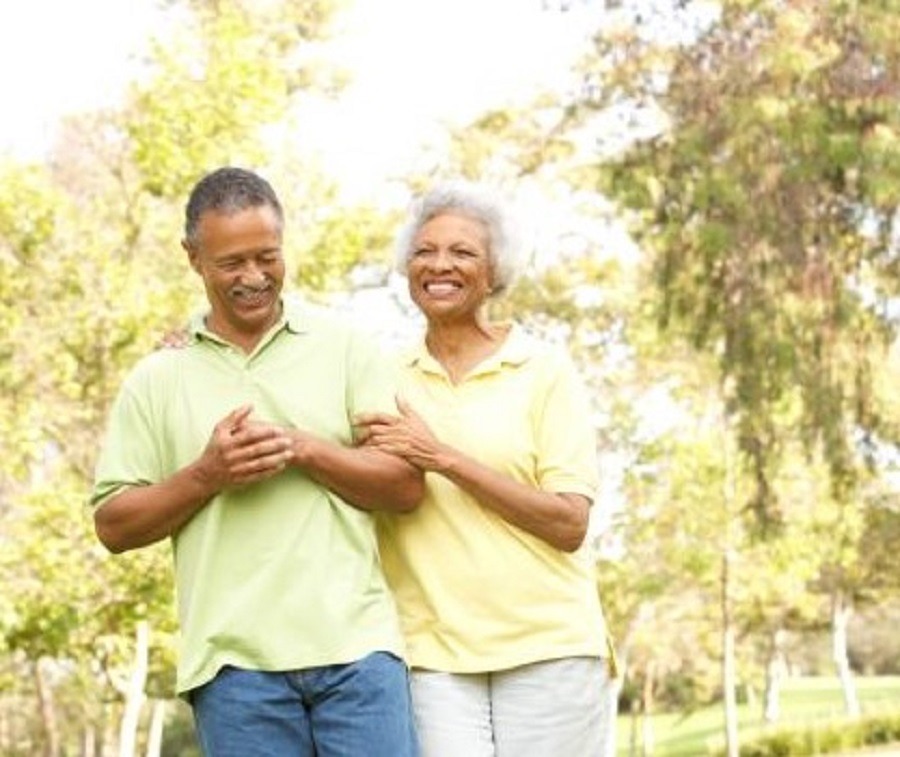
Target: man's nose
252, 274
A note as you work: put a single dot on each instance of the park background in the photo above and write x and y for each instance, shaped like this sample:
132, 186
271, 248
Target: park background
710, 190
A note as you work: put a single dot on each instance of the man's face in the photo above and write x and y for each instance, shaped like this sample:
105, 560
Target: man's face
238, 255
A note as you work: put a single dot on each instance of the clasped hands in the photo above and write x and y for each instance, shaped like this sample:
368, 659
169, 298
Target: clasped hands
241, 451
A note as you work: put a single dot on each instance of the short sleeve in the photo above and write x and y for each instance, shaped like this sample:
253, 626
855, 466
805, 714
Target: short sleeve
372, 376
566, 437
129, 454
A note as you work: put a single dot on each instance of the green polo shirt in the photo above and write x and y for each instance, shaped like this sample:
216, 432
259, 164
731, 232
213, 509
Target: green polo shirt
281, 574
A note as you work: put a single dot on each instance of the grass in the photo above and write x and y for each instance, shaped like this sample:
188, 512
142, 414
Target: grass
804, 701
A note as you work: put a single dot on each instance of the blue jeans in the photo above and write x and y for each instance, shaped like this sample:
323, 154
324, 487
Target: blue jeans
361, 709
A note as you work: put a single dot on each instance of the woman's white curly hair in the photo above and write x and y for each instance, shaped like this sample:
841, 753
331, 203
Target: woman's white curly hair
474, 201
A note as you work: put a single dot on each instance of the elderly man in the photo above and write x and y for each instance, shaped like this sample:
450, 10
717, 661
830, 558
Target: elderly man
239, 447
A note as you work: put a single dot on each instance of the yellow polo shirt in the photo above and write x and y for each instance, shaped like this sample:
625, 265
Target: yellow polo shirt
476, 593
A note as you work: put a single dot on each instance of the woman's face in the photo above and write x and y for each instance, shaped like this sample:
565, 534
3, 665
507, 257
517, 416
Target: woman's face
449, 270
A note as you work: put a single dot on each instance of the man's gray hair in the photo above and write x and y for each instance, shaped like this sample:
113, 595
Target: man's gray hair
228, 190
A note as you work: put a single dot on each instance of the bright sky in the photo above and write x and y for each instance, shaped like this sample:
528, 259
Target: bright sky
421, 62
58, 57
416, 63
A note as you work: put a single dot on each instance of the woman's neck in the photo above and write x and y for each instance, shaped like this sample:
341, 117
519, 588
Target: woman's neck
459, 347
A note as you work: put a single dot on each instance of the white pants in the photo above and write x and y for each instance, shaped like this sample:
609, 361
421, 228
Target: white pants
559, 708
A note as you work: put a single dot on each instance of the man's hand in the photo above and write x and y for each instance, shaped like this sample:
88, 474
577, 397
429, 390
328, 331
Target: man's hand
241, 451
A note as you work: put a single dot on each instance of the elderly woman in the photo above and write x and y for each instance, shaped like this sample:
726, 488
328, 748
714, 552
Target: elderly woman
505, 634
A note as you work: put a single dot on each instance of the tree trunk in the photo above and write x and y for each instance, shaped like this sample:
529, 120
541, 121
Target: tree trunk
134, 692
647, 706
6, 737
47, 709
729, 672
157, 723
775, 669
635, 717
841, 610
110, 736
613, 689
89, 741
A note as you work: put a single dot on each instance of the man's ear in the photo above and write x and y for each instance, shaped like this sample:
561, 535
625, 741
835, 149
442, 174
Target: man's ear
191, 253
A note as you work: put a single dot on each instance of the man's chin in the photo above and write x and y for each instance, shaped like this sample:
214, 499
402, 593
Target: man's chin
259, 317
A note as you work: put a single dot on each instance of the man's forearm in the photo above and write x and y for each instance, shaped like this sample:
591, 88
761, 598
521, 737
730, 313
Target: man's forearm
365, 478
141, 515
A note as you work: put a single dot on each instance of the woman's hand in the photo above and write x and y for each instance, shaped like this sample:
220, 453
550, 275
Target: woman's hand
560, 519
405, 435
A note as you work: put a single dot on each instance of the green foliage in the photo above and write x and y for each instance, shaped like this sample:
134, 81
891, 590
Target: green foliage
204, 107
179, 737
340, 240
836, 737
28, 221
232, 73
765, 216
27, 198
810, 715
763, 205
878, 548
751, 206
55, 569
92, 276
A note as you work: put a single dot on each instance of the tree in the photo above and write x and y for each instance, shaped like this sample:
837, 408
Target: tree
767, 199
757, 164
92, 276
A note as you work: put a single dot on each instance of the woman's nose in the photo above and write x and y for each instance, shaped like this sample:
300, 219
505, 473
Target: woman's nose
441, 260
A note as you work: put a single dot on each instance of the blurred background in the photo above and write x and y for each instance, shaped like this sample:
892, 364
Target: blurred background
709, 193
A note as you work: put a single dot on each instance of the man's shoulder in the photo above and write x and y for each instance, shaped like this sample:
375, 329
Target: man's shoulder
159, 365
323, 320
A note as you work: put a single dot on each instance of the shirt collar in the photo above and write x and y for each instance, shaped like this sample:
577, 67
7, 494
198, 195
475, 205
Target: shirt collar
293, 318
517, 348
